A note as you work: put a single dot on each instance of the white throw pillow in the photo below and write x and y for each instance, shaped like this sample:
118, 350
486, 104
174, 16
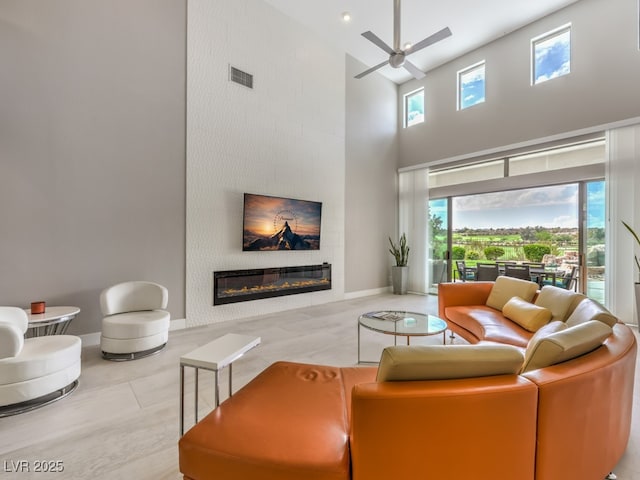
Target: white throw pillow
588, 310
529, 316
505, 288
558, 300
549, 348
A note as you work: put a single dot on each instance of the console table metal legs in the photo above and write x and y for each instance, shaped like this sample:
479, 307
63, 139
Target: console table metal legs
214, 356
216, 391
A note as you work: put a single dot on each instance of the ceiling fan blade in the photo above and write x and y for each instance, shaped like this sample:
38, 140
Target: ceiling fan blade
372, 69
436, 37
372, 37
413, 70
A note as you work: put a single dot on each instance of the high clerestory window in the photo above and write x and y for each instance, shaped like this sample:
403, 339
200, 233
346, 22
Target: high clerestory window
414, 107
551, 55
471, 86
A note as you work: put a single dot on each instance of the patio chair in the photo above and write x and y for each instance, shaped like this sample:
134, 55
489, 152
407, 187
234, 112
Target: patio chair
536, 270
487, 272
464, 273
569, 281
517, 271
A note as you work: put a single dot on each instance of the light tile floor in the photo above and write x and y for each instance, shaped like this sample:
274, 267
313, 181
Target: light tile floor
123, 420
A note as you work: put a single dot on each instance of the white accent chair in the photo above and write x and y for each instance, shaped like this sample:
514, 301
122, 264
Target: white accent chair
34, 371
135, 323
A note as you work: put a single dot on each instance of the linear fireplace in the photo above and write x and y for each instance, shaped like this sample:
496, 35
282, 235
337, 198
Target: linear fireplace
233, 286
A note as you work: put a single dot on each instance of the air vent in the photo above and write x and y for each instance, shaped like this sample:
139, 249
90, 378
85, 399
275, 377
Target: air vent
240, 77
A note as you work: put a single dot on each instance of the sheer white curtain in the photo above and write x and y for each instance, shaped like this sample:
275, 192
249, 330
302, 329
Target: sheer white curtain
623, 204
413, 220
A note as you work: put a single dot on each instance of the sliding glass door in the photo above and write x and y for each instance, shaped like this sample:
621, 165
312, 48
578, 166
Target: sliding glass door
561, 225
439, 243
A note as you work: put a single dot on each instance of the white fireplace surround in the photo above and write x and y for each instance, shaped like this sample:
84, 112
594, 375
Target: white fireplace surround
285, 137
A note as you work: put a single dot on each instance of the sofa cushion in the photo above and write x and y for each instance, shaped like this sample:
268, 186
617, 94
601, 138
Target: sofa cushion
589, 309
486, 323
559, 300
529, 316
506, 288
439, 362
136, 324
549, 347
40, 357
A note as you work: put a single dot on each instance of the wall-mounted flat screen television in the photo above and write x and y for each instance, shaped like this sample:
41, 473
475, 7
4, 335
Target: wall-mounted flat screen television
275, 223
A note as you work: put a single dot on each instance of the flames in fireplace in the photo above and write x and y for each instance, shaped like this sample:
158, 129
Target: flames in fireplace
272, 287
243, 285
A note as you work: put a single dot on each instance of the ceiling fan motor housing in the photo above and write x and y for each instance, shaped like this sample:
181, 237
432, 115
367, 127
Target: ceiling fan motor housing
396, 60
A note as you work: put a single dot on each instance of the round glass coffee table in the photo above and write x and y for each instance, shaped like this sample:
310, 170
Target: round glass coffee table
403, 324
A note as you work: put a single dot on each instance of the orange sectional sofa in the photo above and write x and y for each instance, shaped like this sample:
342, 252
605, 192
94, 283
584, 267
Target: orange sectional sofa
570, 420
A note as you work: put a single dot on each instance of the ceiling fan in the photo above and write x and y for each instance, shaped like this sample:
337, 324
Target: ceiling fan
398, 56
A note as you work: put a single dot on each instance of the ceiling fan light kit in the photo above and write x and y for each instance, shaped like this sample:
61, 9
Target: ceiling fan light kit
398, 55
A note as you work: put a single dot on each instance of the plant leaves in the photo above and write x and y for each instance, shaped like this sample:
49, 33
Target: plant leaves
635, 235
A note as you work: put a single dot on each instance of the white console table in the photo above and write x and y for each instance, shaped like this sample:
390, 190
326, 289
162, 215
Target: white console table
214, 356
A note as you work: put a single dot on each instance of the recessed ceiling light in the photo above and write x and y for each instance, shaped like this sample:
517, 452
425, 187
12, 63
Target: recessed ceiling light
346, 17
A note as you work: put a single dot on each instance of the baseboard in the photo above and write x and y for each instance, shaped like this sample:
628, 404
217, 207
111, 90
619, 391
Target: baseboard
367, 293
178, 324
93, 339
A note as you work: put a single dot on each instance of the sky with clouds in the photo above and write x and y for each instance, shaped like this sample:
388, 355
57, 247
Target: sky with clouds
555, 206
472, 87
553, 57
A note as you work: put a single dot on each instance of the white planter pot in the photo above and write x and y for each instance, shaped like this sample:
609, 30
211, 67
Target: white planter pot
400, 279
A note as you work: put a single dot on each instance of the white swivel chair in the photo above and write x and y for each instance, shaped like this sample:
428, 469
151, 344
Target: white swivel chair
135, 323
34, 371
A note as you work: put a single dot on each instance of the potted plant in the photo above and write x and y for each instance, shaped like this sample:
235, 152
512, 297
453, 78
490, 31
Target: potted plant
400, 272
635, 257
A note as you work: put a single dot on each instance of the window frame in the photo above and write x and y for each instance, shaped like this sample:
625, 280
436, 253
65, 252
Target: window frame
405, 115
464, 71
547, 36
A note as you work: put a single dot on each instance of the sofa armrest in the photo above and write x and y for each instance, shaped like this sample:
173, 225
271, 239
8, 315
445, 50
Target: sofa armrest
11, 340
458, 294
421, 429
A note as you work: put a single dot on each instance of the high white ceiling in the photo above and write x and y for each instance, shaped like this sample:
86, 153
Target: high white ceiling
472, 22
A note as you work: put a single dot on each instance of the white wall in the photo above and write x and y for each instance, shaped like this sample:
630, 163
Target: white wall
286, 137
601, 88
92, 151
371, 197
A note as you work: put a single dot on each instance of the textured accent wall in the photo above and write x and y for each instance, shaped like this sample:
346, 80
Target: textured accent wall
285, 137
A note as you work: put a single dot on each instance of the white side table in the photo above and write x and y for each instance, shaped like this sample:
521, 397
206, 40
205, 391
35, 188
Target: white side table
54, 321
214, 356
